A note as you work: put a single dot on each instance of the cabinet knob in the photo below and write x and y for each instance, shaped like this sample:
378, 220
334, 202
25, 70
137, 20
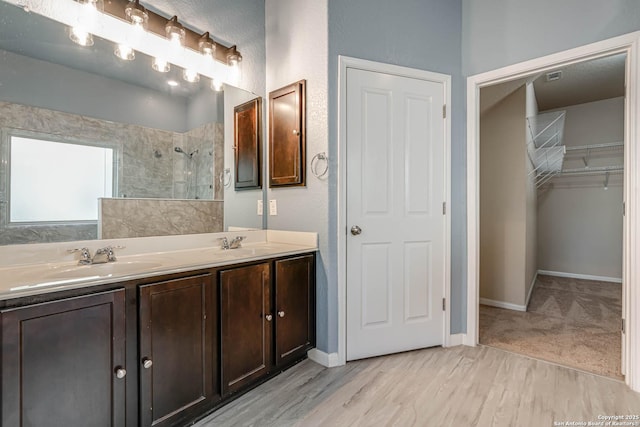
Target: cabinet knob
147, 363
281, 313
121, 373
296, 132
268, 317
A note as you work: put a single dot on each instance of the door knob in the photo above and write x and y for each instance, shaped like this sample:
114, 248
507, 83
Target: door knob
355, 230
281, 313
147, 363
121, 373
268, 317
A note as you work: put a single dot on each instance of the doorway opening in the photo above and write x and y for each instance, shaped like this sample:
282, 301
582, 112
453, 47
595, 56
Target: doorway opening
551, 195
630, 324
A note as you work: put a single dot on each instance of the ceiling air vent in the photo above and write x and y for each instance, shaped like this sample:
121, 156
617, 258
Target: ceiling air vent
554, 75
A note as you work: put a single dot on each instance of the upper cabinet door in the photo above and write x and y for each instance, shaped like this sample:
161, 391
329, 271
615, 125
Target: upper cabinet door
287, 135
63, 362
248, 142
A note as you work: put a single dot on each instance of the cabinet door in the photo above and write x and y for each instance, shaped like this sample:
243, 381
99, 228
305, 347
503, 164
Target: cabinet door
178, 365
61, 361
295, 308
248, 144
287, 135
246, 323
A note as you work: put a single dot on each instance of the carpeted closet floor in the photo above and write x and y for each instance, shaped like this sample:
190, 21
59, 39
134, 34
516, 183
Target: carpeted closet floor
571, 322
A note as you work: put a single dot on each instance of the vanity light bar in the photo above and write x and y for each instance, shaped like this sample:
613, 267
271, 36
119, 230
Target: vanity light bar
157, 24
113, 26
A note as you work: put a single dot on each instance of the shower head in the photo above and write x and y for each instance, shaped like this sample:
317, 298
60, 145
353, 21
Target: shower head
180, 150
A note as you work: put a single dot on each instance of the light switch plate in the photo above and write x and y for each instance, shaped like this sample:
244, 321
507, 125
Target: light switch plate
260, 207
273, 207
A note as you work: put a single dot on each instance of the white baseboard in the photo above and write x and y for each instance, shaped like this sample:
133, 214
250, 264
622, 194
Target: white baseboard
502, 304
455, 339
580, 276
466, 340
329, 360
533, 283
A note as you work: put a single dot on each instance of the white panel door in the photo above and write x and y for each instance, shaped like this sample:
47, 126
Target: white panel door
395, 194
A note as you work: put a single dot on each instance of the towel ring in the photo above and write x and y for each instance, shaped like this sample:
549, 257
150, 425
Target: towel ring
225, 178
314, 165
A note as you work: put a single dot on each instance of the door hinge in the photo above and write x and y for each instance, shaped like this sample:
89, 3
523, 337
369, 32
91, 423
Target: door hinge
444, 111
624, 209
444, 208
444, 304
622, 325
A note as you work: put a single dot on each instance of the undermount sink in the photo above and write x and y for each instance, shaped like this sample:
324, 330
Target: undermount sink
100, 270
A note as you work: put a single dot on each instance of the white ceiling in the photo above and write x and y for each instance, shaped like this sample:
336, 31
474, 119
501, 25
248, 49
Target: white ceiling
594, 80
588, 81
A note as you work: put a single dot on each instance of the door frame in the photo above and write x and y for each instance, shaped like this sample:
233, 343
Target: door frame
344, 63
628, 44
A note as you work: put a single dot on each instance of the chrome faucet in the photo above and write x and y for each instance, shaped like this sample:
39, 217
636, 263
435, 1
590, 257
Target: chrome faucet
102, 255
85, 255
224, 243
236, 242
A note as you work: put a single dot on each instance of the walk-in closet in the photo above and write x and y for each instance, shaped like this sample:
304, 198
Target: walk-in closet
551, 215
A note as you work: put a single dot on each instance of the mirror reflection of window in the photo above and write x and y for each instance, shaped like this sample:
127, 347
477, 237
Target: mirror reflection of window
53, 181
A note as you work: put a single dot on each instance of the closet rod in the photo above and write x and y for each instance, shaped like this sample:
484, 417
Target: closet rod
593, 170
596, 146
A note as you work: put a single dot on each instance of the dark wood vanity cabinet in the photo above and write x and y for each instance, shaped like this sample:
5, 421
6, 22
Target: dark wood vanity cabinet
178, 361
267, 318
294, 308
63, 362
246, 325
154, 351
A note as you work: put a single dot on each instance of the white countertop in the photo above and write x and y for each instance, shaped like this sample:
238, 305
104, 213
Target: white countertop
21, 275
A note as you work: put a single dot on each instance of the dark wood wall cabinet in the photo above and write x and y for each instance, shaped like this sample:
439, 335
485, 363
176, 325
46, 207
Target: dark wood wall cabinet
287, 135
248, 144
154, 352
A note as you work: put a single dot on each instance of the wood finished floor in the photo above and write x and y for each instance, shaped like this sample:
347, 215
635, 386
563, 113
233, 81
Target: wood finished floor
460, 386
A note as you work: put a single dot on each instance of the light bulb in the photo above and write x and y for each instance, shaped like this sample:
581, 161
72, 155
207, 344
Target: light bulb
80, 36
216, 85
125, 52
175, 31
137, 15
191, 76
207, 47
160, 65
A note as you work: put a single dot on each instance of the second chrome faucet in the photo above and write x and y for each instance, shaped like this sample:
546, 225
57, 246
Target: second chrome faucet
234, 243
102, 255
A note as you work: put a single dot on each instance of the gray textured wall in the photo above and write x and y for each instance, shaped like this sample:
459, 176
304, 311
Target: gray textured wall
296, 44
30, 81
419, 34
231, 22
496, 33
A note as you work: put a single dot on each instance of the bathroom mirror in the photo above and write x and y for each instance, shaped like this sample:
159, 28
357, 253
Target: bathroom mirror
153, 147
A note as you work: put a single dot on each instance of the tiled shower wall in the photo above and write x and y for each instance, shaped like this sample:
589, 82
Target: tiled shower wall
148, 166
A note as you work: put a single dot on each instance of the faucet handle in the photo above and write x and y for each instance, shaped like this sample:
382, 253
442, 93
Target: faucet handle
236, 242
85, 255
224, 242
108, 251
